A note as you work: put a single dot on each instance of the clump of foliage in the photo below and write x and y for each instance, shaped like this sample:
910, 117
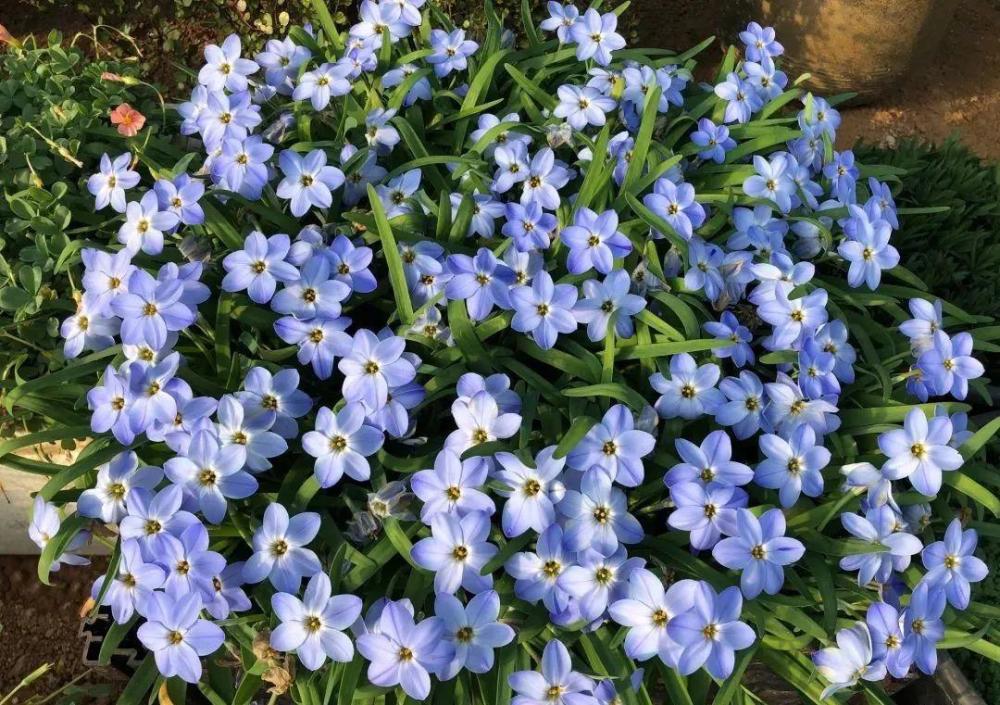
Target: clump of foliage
54, 127
955, 248
520, 370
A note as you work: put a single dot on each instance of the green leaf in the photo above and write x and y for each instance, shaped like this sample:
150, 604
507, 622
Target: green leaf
973, 490
531, 88
329, 26
615, 391
980, 438
657, 350
390, 250
140, 683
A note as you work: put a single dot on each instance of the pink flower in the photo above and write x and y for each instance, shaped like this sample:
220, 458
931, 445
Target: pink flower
128, 119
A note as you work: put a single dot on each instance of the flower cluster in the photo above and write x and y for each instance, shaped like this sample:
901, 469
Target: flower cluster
444, 302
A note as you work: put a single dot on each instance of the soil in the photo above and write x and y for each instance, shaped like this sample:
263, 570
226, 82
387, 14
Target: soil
958, 92
41, 624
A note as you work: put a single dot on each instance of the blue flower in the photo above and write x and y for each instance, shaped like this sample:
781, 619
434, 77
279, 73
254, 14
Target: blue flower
710, 462
546, 175
736, 335
705, 273
951, 566
924, 325
421, 90
235, 426
320, 340
110, 402
818, 117
308, 180
106, 500
766, 78
212, 473
480, 420
614, 446
472, 631
832, 338
711, 632
741, 96
949, 365
879, 528
155, 519
224, 68
609, 302
226, 117
108, 187
851, 660
395, 195
922, 625
792, 466
793, 318
713, 139
133, 585
373, 366
380, 135
676, 204
581, 106
189, 564
341, 443
451, 51
557, 683
881, 202
45, 524
598, 580
560, 20
259, 266
456, 551
403, 653
886, 629
321, 84
920, 451
536, 575
646, 609
276, 397
453, 486
181, 197
772, 181
597, 516
594, 241
529, 226
144, 225
349, 264
531, 491
242, 166
843, 175
88, 328
150, 310
817, 378
706, 511
281, 60
177, 636
544, 309
481, 281
867, 248
313, 627
690, 391
280, 552
743, 405
759, 42
314, 293
760, 550
595, 36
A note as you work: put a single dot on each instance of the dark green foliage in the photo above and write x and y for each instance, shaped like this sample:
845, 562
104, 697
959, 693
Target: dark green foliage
957, 252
